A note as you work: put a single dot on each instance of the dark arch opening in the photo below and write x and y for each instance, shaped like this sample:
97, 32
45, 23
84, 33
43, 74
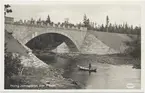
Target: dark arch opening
50, 41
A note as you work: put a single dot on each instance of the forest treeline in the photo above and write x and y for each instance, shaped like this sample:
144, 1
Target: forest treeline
123, 28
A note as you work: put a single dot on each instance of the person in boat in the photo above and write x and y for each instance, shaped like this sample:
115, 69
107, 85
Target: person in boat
90, 66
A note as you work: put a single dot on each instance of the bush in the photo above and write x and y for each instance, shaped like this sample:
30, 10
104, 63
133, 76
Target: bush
134, 48
12, 66
135, 51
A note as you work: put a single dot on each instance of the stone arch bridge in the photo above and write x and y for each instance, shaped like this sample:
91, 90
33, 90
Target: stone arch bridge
25, 32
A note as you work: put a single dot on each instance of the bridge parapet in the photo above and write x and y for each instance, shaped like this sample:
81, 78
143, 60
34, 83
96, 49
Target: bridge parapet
49, 26
42, 24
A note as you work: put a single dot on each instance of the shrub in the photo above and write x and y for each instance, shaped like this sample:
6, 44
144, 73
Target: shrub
12, 66
134, 48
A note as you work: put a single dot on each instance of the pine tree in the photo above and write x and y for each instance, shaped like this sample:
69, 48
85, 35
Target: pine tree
86, 22
48, 20
107, 22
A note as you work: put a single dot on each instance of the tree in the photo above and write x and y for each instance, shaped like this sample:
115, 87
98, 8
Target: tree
107, 22
6, 9
48, 20
66, 22
86, 22
102, 28
32, 21
39, 19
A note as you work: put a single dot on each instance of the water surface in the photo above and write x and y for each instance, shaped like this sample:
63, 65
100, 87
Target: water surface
107, 76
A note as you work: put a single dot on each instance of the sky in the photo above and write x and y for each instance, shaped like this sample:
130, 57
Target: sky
118, 14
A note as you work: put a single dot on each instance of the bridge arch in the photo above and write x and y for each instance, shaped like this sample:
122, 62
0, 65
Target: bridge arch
24, 33
70, 41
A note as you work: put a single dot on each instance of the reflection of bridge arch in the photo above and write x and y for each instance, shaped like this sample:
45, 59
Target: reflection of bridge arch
70, 42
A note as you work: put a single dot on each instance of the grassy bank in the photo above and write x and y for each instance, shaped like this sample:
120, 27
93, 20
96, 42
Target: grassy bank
42, 78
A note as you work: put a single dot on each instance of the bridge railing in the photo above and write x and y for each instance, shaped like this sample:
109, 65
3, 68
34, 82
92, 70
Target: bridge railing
42, 24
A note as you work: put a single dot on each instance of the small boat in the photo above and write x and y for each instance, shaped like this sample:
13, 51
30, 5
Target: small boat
86, 69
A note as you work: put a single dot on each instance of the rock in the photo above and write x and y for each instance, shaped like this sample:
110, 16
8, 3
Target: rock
47, 82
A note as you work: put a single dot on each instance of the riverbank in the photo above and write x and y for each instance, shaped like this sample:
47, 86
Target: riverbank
42, 78
114, 59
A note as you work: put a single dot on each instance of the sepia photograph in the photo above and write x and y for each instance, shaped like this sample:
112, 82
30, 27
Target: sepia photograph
72, 46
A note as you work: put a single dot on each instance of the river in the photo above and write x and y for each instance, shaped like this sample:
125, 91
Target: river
107, 76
